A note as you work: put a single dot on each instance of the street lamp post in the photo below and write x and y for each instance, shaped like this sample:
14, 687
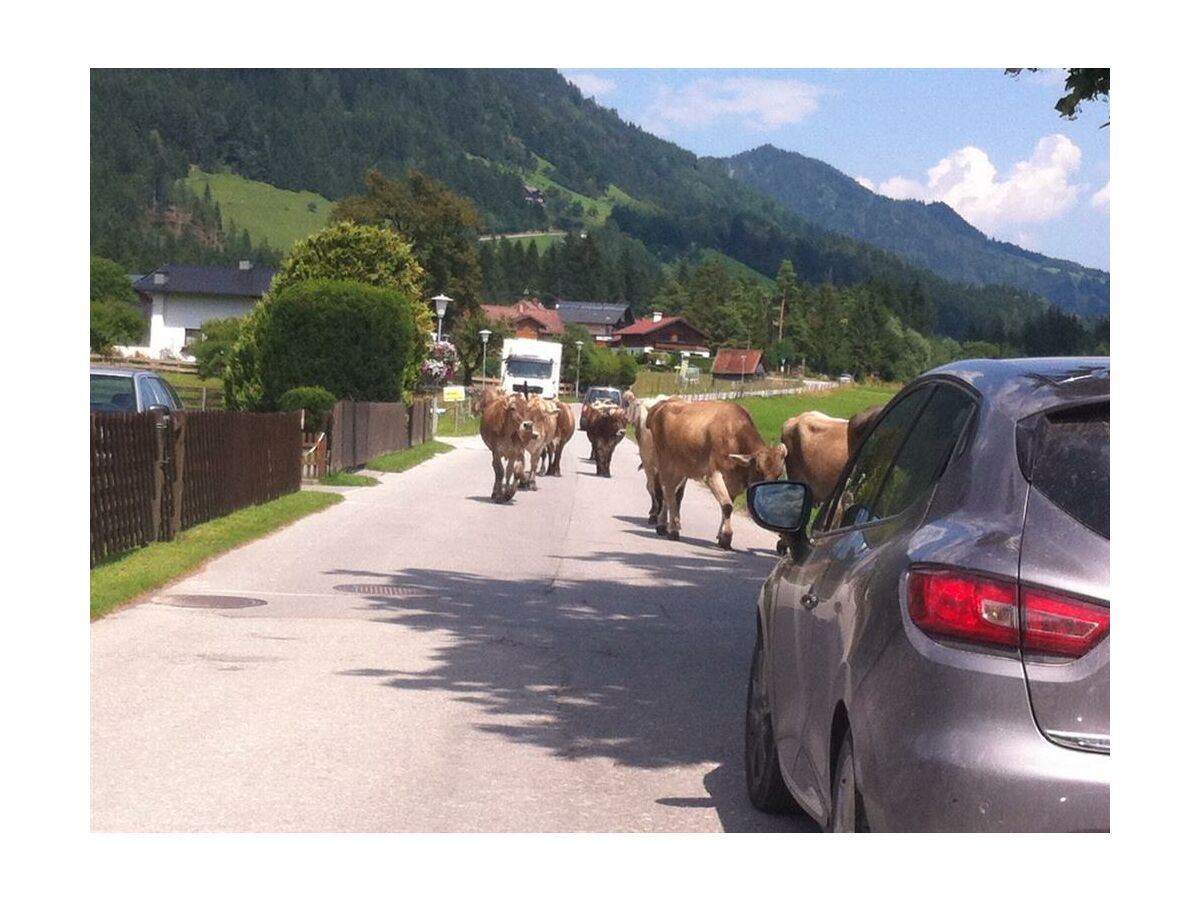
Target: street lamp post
578, 357
485, 334
441, 301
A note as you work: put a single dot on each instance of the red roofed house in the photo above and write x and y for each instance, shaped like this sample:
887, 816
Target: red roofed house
528, 318
661, 332
735, 364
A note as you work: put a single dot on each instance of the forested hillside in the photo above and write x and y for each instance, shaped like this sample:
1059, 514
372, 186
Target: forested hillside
653, 212
932, 236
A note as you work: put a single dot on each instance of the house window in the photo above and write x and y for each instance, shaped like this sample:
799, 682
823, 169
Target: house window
191, 336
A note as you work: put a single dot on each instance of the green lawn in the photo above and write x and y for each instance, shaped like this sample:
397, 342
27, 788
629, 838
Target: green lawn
406, 459
457, 421
281, 217
769, 413
348, 479
132, 574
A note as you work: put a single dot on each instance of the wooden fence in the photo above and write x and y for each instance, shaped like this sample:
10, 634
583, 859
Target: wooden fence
360, 431
153, 476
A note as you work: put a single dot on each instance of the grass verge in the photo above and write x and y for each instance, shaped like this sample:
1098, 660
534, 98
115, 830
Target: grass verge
132, 574
348, 479
406, 459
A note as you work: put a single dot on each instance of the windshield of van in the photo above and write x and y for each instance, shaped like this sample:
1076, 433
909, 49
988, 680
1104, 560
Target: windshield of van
526, 367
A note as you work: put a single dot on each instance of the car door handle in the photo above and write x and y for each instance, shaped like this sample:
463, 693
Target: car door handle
809, 600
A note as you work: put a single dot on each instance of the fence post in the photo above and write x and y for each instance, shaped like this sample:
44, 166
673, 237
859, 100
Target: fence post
180, 429
160, 476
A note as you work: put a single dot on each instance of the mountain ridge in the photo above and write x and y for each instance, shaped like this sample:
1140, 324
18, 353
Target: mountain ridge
930, 235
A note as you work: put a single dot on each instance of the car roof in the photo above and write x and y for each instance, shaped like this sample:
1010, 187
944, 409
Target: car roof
1020, 387
124, 372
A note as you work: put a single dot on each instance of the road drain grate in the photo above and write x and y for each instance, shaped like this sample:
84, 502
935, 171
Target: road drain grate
376, 590
210, 601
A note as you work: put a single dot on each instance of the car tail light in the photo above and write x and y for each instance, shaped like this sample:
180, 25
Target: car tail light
1056, 623
969, 607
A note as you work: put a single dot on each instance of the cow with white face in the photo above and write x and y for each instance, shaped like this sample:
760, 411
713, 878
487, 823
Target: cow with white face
507, 430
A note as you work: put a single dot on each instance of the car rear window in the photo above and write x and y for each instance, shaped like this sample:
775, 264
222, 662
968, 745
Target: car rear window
113, 393
1068, 463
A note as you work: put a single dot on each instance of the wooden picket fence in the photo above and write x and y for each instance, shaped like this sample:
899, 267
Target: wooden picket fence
359, 431
153, 476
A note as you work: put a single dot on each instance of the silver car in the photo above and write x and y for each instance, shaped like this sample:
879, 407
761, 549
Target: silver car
932, 653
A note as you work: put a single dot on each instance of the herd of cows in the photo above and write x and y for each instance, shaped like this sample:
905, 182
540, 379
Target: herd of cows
713, 441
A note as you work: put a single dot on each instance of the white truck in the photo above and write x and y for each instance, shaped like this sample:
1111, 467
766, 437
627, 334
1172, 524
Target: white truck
533, 364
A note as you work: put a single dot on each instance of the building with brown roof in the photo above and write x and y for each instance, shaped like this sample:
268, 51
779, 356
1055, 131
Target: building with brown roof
528, 318
662, 333
732, 364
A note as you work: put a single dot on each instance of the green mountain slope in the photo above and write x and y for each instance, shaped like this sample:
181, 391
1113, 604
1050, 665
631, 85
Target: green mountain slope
932, 236
268, 213
486, 134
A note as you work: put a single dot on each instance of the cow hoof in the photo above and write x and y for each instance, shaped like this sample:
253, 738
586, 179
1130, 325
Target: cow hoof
651, 519
725, 543
660, 529
674, 535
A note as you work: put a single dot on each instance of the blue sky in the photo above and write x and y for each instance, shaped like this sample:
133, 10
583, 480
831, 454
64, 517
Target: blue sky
991, 146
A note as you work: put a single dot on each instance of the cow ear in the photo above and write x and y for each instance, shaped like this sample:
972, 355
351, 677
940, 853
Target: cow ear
783, 451
741, 459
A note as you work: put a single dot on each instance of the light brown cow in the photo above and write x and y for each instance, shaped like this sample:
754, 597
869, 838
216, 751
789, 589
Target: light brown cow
605, 429
716, 442
544, 415
564, 431
818, 447
638, 411
507, 430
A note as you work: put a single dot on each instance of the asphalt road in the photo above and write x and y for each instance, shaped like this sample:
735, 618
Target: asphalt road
420, 659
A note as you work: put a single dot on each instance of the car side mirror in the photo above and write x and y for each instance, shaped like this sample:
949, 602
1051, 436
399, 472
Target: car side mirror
781, 506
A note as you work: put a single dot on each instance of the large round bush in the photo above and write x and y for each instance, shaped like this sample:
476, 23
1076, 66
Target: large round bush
352, 339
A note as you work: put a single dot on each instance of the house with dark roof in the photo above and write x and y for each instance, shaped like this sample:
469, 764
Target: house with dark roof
182, 298
601, 320
528, 318
733, 364
662, 333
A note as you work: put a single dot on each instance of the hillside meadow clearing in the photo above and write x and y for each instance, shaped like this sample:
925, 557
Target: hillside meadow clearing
268, 213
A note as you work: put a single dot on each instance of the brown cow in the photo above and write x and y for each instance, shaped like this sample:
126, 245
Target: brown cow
544, 414
564, 431
714, 441
639, 410
487, 395
818, 447
507, 430
605, 428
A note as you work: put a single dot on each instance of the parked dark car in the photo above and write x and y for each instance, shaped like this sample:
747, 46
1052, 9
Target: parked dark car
132, 390
933, 655
592, 394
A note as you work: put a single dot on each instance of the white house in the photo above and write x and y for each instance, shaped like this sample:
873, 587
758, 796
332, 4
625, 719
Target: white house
183, 298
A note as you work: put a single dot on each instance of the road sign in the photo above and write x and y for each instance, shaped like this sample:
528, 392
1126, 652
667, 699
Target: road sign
452, 392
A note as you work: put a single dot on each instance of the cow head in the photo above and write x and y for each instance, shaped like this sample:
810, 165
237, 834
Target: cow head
765, 464
518, 419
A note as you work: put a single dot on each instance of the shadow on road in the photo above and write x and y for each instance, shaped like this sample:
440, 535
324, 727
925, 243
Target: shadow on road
641, 660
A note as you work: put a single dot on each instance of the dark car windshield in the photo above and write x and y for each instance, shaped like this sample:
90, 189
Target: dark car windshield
113, 393
595, 394
1068, 462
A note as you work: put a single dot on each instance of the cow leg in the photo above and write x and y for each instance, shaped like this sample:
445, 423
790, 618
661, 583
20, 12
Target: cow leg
668, 518
716, 482
656, 496
498, 481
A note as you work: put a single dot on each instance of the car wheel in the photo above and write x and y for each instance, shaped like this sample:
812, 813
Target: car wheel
763, 778
847, 813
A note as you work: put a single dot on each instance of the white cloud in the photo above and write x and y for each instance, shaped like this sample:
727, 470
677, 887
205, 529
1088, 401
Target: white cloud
756, 103
867, 183
1100, 198
1037, 189
590, 84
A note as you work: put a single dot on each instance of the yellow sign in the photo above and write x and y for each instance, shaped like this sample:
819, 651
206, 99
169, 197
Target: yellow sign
452, 392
